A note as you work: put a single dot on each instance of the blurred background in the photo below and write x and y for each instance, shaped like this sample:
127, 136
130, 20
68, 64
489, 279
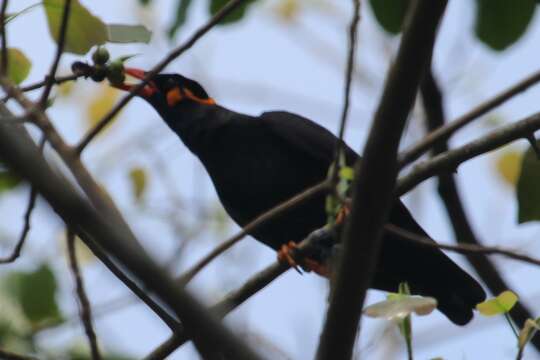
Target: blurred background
281, 55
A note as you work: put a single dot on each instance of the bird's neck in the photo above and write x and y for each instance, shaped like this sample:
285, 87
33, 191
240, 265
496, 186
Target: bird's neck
196, 124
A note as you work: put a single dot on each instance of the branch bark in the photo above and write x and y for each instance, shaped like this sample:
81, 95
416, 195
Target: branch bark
210, 337
441, 134
376, 175
450, 160
432, 99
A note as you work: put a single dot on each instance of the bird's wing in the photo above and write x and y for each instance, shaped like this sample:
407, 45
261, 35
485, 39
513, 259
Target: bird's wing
305, 134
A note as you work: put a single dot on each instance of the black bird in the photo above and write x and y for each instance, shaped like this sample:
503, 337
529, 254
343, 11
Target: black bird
255, 163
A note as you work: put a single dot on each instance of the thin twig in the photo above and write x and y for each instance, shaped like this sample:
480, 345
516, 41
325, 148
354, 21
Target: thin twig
253, 225
349, 70
85, 308
27, 217
49, 80
4, 54
443, 133
223, 12
450, 160
466, 249
26, 229
57, 81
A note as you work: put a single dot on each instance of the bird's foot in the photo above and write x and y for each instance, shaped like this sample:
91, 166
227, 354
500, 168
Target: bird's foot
343, 213
287, 255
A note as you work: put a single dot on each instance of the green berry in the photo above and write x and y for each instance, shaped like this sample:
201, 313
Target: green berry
116, 72
100, 56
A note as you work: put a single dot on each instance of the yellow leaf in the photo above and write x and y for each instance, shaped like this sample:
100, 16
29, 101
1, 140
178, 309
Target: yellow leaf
509, 165
288, 9
101, 104
65, 89
499, 305
138, 182
530, 327
18, 65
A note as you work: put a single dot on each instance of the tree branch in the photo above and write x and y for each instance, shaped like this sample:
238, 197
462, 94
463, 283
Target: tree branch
210, 337
432, 99
235, 298
375, 178
450, 160
96, 194
4, 51
20, 133
85, 308
463, 248
225, 10
253, 225
49, 80
349, 70
440, 134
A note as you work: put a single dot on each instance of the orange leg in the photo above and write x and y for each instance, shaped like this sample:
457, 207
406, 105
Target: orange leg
284, 255
343, 213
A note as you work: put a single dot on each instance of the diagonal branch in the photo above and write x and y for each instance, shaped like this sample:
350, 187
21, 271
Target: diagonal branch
99, 198
225, 10
449, 161
253, 225
235, 298
85, 308
20, 133
375, 178
432, 98
211, 338
440, 134
49, 81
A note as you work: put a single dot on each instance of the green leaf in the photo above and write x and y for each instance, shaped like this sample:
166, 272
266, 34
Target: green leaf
138, 182
180, 18
528, 188
236, 15
399, 306
84, 29
346, 173
144, 2
500, 23
390, 13
36, 293
18, 65
501, 304
125, 34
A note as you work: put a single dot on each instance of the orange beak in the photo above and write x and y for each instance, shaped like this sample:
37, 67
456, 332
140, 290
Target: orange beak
147, 91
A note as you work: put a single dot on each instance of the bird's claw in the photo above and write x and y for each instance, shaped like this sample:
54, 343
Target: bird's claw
285, 255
